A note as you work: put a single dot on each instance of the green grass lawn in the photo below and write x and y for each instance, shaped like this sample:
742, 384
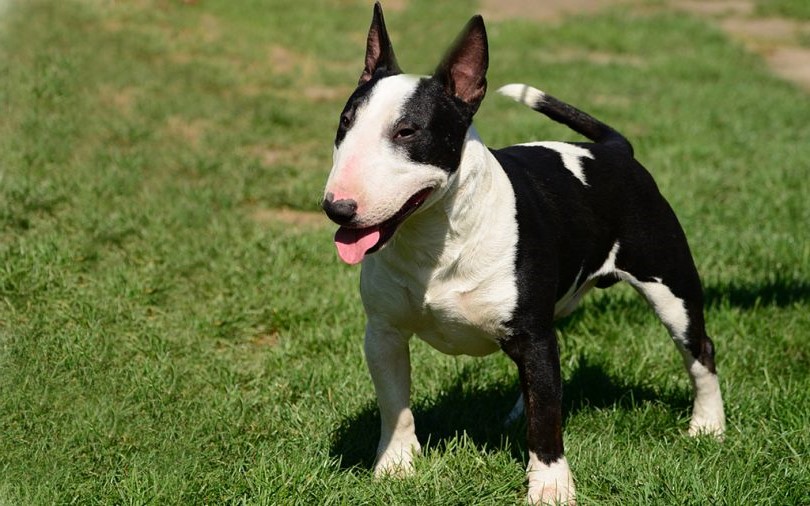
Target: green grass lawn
169, 336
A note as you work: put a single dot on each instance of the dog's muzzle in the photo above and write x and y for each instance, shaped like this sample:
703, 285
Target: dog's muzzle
354, 242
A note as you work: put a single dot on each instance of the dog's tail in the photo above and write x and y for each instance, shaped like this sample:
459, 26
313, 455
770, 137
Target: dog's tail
573, 118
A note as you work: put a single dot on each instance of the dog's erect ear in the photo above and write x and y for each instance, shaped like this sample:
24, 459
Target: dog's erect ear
379, 52
463, 70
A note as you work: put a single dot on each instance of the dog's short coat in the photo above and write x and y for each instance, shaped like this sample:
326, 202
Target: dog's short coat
475, 249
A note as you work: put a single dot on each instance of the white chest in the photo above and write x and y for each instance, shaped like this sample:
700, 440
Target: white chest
457, 319
461, 308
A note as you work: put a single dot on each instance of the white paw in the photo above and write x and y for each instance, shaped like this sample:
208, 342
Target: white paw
552, 495
708, 415
397, 459
708, 426
550, 484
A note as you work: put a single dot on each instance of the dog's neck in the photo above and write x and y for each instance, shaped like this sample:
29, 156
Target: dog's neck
467, 202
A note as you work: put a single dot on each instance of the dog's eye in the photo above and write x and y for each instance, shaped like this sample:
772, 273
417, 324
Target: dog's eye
406, 132
345, 120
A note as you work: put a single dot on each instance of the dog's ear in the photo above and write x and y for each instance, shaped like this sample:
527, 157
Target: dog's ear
379, 52
464, 68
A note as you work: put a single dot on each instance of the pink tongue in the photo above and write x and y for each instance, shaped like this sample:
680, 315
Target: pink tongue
352, 243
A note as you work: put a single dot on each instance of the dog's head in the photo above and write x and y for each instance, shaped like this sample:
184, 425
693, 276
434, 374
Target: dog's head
400, 138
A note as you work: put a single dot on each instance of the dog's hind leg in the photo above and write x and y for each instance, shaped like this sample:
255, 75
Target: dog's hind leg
670, 283
684, 321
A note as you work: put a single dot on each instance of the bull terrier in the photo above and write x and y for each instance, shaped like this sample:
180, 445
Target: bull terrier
476, 249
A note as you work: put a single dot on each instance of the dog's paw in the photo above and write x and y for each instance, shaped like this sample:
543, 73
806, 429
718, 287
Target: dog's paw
551, 484
708, 418
551, 495
708, 414
708, 426
397, 460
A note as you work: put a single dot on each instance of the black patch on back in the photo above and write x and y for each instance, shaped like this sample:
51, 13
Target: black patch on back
564, 227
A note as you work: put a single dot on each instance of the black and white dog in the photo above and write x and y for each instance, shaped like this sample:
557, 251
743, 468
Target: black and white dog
475, 250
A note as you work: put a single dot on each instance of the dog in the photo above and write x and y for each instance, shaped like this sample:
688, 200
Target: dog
477, 250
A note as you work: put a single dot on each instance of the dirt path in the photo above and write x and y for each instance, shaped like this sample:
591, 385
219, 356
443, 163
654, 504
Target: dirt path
776, 40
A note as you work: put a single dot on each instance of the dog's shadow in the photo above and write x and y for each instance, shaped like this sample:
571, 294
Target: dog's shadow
777, 291
480, 414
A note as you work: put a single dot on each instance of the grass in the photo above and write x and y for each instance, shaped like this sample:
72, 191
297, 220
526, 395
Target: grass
789, 8
165, 338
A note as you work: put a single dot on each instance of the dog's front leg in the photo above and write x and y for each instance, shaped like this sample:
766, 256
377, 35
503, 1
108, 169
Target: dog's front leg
537, 357
388, 359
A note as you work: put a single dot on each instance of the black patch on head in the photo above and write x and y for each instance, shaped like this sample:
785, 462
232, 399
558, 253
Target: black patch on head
433, 126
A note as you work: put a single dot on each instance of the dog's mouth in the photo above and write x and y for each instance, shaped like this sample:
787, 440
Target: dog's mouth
355, 243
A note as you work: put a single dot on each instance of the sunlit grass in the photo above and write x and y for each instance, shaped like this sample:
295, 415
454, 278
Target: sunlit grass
167, 337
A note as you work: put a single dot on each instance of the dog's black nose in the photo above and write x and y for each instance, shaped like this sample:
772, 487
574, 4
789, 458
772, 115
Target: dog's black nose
339, 211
